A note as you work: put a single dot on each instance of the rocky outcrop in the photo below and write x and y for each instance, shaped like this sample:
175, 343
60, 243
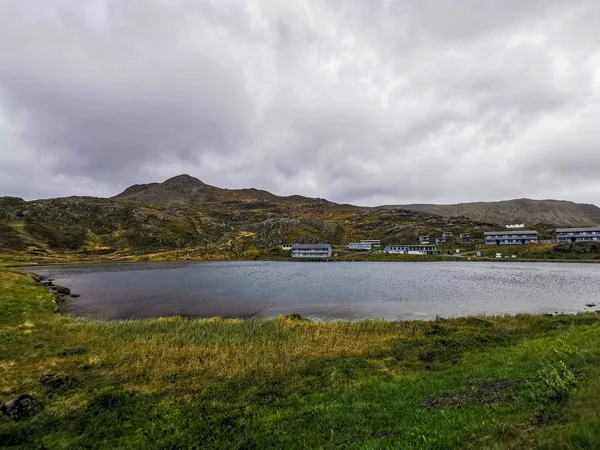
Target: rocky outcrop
21, 408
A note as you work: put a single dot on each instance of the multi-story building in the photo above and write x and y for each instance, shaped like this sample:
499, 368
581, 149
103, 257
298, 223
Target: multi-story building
510, 237
411, 249
311, 251
577, 234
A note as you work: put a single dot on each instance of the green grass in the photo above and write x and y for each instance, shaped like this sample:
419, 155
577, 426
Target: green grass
528, 381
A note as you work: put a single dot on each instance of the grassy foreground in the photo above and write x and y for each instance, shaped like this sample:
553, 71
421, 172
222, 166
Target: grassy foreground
503, 382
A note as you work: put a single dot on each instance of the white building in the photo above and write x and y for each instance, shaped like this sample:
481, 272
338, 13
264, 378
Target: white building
515, 224
420, 249
311, 251
360, 246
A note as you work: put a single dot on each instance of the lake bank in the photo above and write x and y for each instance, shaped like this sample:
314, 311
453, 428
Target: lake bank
504, 382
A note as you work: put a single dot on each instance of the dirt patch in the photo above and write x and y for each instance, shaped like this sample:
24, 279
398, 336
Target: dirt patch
496, 391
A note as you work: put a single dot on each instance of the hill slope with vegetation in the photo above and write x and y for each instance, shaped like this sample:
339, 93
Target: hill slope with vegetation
185, 215
184, 218
554, 212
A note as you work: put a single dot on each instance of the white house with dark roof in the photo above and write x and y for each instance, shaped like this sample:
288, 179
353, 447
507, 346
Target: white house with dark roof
311, 251
577, 234
373, 242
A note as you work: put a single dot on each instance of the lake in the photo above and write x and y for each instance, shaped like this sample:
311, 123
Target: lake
325, 291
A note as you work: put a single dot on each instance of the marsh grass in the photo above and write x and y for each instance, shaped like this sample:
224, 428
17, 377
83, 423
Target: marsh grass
292, 383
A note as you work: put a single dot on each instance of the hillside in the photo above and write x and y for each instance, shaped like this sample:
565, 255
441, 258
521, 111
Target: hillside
185, 214
554, 212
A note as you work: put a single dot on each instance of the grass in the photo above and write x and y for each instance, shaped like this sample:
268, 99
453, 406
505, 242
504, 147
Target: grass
528, 381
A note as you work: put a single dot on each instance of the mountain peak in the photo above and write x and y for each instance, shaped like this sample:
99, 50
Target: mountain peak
184, 179
175, 189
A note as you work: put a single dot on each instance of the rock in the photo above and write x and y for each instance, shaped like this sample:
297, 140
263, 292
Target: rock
47, 283
38, 346
590, 305
74, 295
63, 290
21, 408
55, 381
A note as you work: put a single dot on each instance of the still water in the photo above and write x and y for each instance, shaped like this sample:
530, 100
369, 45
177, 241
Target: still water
326, 291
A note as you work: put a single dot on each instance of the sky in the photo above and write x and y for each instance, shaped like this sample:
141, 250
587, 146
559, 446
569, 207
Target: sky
358, 101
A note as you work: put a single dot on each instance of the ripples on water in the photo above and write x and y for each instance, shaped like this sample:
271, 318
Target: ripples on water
321, 290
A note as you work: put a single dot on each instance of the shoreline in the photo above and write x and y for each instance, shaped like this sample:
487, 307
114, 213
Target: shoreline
410, 259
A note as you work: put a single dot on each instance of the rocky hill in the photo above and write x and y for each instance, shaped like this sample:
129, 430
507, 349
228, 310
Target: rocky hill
183, 213
553, 212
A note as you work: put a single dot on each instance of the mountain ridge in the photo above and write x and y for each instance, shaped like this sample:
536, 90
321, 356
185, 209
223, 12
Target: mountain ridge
550, 211
186, 214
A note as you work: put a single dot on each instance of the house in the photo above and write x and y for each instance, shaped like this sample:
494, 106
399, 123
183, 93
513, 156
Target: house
517, 223
373, 242
286, 246
311, 251
440, 241
419, 249
447, 235
464, 236
577, 234
424, 239
510, 237
360, 246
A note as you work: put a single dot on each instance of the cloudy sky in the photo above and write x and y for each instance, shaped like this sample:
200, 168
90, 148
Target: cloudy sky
362, 101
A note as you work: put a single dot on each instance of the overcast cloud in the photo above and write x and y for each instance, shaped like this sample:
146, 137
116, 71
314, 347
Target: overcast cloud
361, 101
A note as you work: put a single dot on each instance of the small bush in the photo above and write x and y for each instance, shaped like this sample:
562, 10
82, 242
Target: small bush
553, 382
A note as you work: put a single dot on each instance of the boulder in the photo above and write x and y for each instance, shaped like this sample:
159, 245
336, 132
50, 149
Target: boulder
21, 408
63, 290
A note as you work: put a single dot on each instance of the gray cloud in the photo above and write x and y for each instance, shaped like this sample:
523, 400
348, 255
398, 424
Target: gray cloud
364, 102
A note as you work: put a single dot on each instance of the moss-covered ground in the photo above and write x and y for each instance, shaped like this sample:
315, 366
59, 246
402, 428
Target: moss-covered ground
529, 381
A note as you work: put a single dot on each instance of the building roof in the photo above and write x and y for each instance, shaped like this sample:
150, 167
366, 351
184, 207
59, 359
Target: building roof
568, 230
496, 233
301, 246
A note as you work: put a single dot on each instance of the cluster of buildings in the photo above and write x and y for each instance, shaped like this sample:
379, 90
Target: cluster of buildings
520, 236
524, 237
